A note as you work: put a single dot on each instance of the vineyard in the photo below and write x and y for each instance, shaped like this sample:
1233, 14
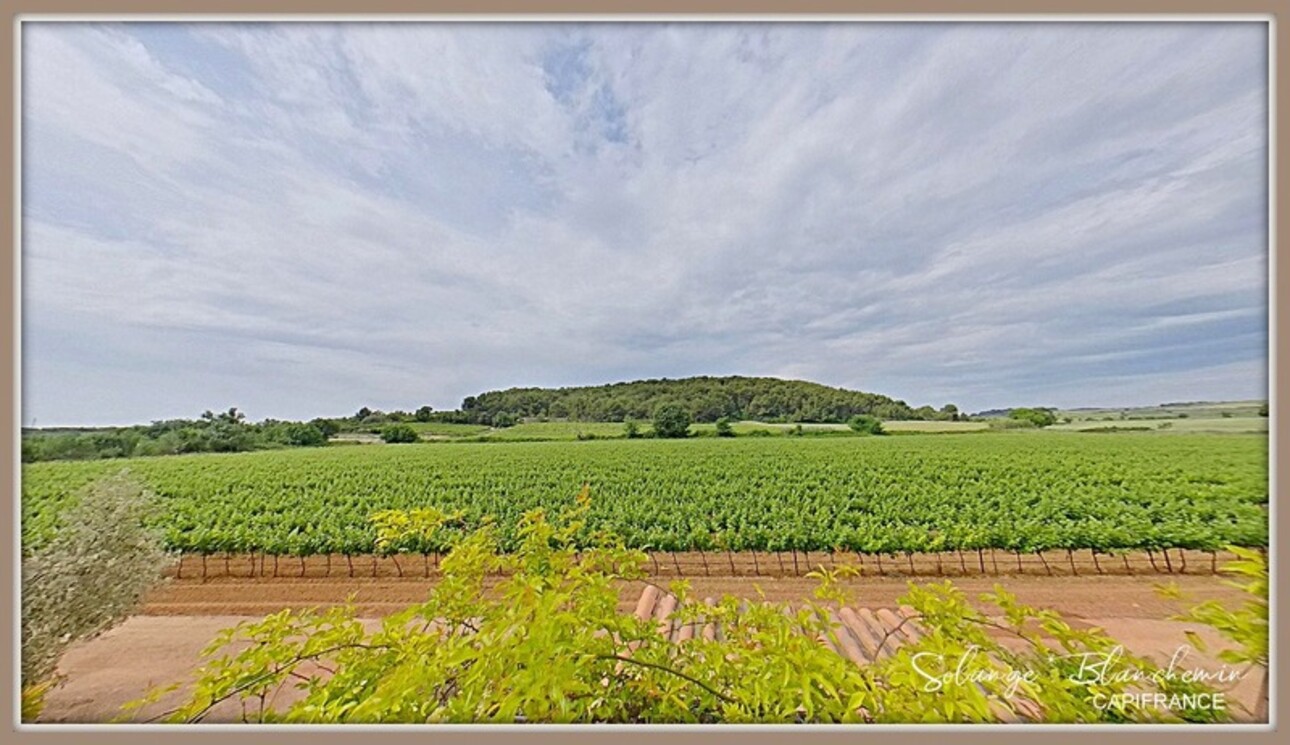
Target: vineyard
1019, 492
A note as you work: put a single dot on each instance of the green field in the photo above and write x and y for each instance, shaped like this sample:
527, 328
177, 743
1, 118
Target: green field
572, 430
1022, 491
448, 429
1248, 424
1198, 410
936, 427
1241, 418
569, 430
562, 430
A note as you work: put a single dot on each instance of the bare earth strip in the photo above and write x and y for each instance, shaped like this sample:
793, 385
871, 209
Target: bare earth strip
753, 564
1129, 597
162, 644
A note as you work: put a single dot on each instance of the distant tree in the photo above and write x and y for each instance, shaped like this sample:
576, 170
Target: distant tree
631, 429
671, 420
423, 413
298, 434
1263, 410
225, 432
615, 410
362, 414
950, 412
327, 426
505, 419
396, 433
865, 424
1039, 417
723, 427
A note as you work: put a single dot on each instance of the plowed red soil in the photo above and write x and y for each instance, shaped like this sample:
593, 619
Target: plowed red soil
376, 588
179, 618
740, 564
164, 643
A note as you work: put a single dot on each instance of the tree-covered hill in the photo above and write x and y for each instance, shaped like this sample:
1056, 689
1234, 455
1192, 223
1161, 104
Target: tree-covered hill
706, 398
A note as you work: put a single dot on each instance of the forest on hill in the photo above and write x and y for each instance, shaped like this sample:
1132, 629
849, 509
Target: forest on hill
706, 398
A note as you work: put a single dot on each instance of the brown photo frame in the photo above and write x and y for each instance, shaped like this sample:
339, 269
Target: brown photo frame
706, 10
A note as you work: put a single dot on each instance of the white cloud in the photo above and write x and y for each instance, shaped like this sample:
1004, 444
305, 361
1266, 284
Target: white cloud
332, 215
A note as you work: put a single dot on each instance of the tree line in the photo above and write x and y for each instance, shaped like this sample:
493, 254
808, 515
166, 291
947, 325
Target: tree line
698, 399
225, 432
706, 399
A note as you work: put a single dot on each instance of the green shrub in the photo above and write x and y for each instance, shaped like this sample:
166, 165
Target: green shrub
397, 433
92, 572
671, 420
723, 427
631, 429
1039, 417
328, 427
296, 434
865, 424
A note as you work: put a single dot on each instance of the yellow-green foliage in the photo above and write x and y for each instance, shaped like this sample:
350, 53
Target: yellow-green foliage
1246, 626
88, 577
549, 645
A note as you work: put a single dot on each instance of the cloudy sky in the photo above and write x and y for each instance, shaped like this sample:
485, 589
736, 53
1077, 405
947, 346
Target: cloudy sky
303, 219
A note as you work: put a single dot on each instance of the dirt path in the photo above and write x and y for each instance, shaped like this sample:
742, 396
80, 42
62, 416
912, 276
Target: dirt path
162, 645
1110, 595
694, 564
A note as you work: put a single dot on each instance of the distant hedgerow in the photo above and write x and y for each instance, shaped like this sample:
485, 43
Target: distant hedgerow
396, 433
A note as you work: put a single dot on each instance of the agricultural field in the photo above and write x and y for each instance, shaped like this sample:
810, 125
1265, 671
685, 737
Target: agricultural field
561, 431
1019, 491
901, 427
1217, 425
448, 429
573, 430
1196, 410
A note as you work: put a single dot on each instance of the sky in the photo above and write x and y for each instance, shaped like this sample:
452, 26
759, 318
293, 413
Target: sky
303, 219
